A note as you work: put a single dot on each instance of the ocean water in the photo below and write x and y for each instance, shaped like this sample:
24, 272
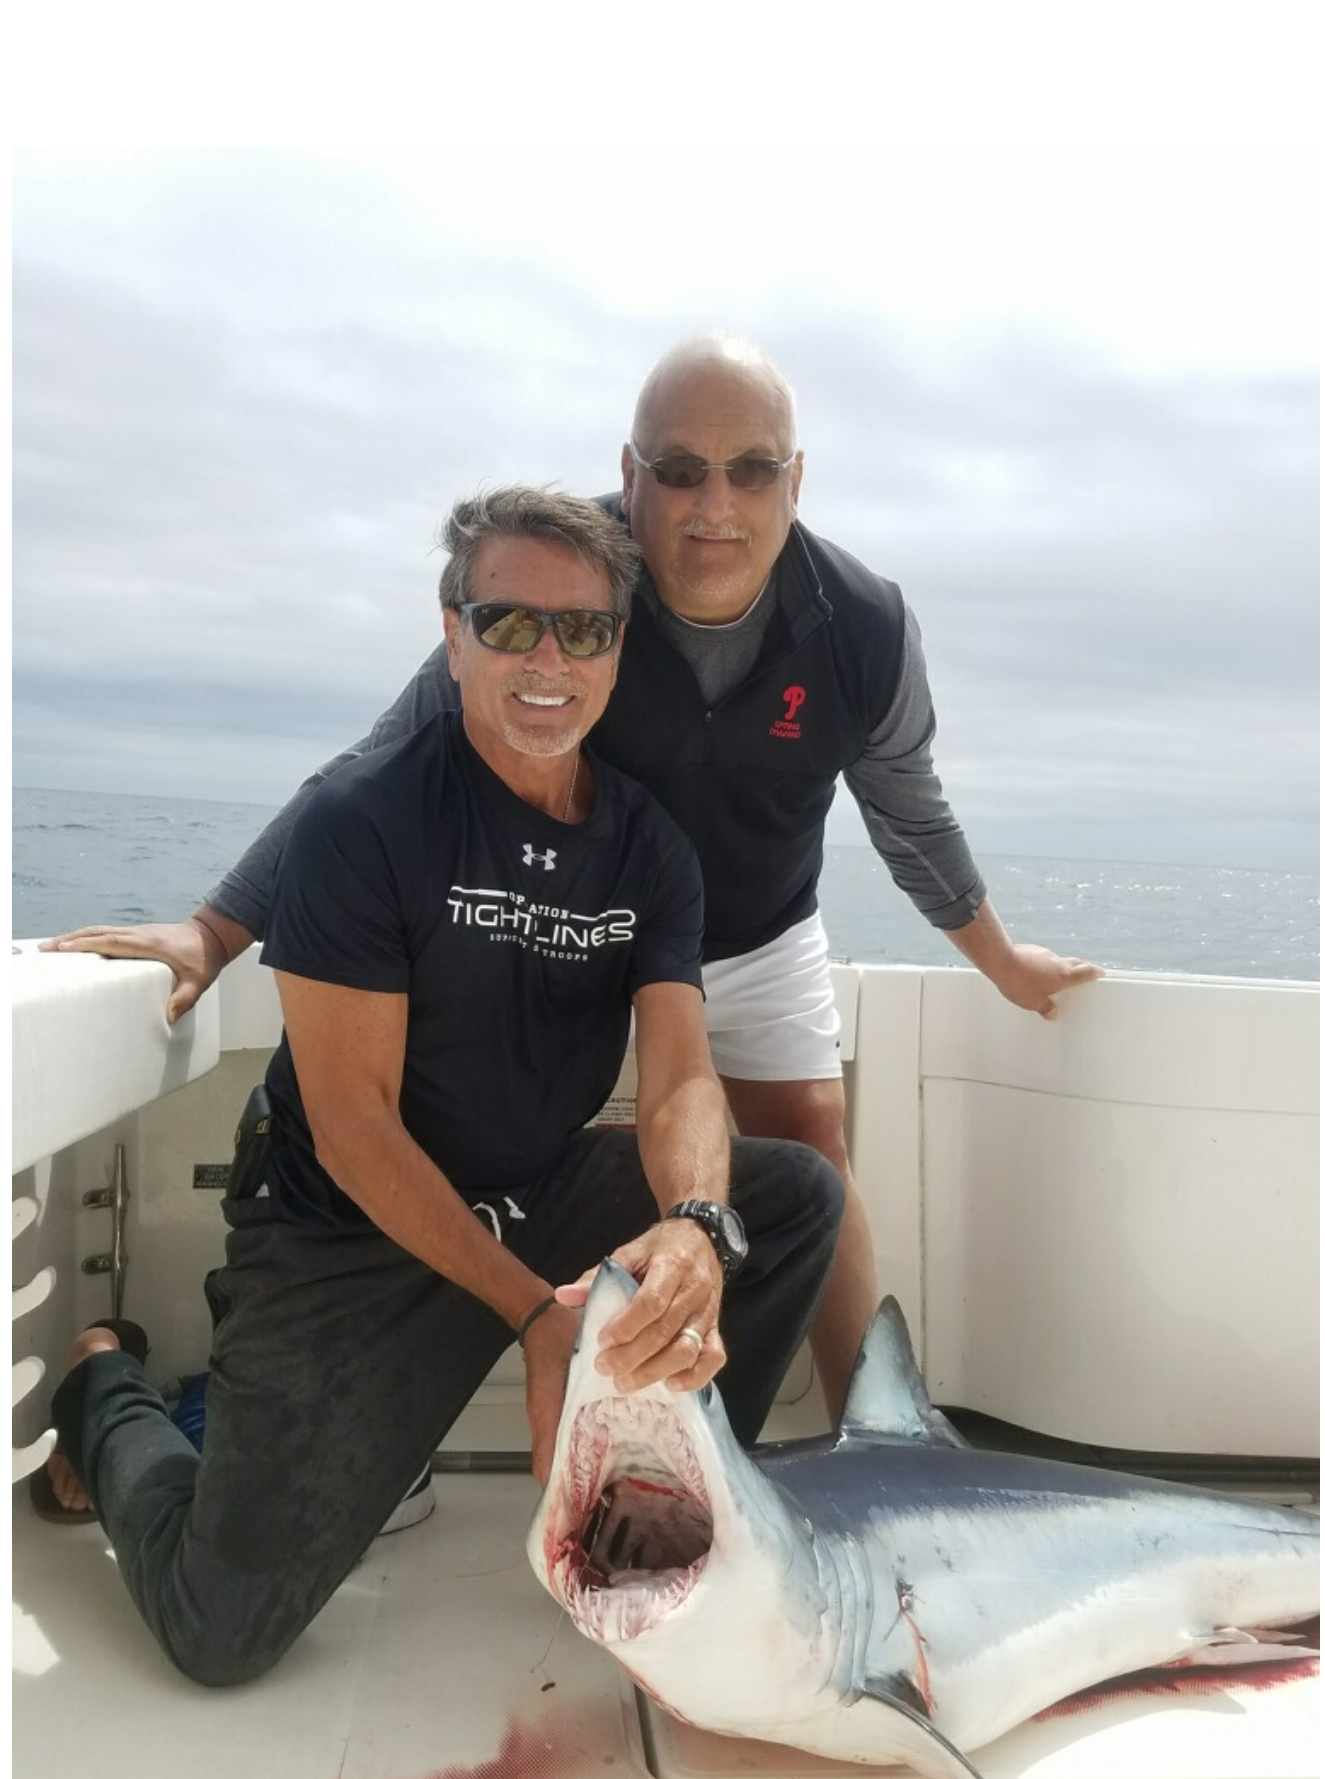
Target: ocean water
81, 858
1193, 919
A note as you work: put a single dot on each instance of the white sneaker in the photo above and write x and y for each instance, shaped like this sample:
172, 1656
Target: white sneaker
415, 1507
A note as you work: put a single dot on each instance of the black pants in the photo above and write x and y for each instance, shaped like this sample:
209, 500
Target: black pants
340, 1361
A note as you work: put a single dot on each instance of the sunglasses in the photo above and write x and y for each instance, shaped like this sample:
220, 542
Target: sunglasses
681, 470
518, 629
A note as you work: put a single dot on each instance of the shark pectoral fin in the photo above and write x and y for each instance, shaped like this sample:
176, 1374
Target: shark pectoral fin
914, 1740
887, 1395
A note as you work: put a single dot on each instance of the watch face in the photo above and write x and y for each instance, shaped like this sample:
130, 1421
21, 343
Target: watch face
733, 1231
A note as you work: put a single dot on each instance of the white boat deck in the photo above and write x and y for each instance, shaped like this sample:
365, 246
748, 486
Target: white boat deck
442, 1658
1105, 1231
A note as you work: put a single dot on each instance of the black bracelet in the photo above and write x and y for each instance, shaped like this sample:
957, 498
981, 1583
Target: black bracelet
533, 1316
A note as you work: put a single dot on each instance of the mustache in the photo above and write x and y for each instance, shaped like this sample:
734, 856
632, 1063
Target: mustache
540, 688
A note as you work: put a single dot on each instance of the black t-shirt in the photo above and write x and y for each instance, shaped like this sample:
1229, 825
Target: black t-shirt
518, 939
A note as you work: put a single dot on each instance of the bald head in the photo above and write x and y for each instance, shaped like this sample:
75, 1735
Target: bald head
711, 363
710, 545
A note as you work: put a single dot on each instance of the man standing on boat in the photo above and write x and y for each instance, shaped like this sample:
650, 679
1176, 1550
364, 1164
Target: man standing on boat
462, 926
763, 662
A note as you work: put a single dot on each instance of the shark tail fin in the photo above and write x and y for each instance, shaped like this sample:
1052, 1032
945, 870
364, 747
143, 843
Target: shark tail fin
887, 1398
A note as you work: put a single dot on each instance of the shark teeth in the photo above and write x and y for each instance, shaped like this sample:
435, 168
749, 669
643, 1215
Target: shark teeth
639, 1515
617, 1614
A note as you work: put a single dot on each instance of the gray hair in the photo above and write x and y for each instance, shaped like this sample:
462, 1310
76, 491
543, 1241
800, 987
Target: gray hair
581, 525
723, 351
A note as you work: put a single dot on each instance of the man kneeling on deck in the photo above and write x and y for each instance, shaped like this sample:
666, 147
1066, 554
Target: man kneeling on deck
462, 926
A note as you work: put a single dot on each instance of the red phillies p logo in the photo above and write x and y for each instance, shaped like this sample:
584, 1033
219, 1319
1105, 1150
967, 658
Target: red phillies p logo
795, 697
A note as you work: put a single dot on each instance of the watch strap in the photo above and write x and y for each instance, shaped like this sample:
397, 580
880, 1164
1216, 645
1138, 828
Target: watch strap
710, 1213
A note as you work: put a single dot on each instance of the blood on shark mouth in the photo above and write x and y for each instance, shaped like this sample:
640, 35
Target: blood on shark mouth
639, 1518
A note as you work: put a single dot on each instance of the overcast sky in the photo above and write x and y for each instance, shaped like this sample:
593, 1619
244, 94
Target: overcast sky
1068, 399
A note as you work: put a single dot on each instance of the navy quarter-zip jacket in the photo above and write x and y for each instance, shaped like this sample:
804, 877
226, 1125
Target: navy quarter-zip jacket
751, 778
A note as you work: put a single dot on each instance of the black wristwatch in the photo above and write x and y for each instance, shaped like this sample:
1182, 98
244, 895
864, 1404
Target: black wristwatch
723, 1228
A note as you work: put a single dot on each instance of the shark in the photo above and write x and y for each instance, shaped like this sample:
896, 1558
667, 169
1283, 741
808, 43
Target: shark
886, 1593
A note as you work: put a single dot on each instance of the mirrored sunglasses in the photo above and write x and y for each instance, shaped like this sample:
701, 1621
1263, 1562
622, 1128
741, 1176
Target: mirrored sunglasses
681, 470
518, 629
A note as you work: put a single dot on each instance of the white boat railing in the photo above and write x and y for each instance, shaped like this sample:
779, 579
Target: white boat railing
1104, 1229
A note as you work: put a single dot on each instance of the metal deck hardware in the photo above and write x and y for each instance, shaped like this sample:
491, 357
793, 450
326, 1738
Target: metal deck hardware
115, 1199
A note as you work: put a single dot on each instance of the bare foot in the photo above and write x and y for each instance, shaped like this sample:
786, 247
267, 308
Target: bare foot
69, 1492
65, 1486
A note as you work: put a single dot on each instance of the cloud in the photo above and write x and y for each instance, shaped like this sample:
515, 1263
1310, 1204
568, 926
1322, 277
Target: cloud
248, 385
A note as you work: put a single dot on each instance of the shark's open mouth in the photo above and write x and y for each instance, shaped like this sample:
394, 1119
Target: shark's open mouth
640, 1520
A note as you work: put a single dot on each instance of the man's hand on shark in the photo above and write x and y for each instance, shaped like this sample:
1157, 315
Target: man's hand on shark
652, 1340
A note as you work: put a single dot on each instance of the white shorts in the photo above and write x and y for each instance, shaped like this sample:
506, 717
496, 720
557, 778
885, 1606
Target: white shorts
771, 1014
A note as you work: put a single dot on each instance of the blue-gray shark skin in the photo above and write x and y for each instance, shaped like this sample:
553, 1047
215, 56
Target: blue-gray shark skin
885, 1593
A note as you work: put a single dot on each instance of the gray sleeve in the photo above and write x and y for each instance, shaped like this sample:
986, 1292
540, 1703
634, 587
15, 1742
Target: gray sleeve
244, 893
906, 814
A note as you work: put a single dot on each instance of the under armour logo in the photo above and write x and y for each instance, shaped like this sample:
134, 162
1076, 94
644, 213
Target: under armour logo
548, 859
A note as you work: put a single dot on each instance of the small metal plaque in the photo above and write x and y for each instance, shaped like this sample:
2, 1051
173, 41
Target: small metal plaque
211, 1176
